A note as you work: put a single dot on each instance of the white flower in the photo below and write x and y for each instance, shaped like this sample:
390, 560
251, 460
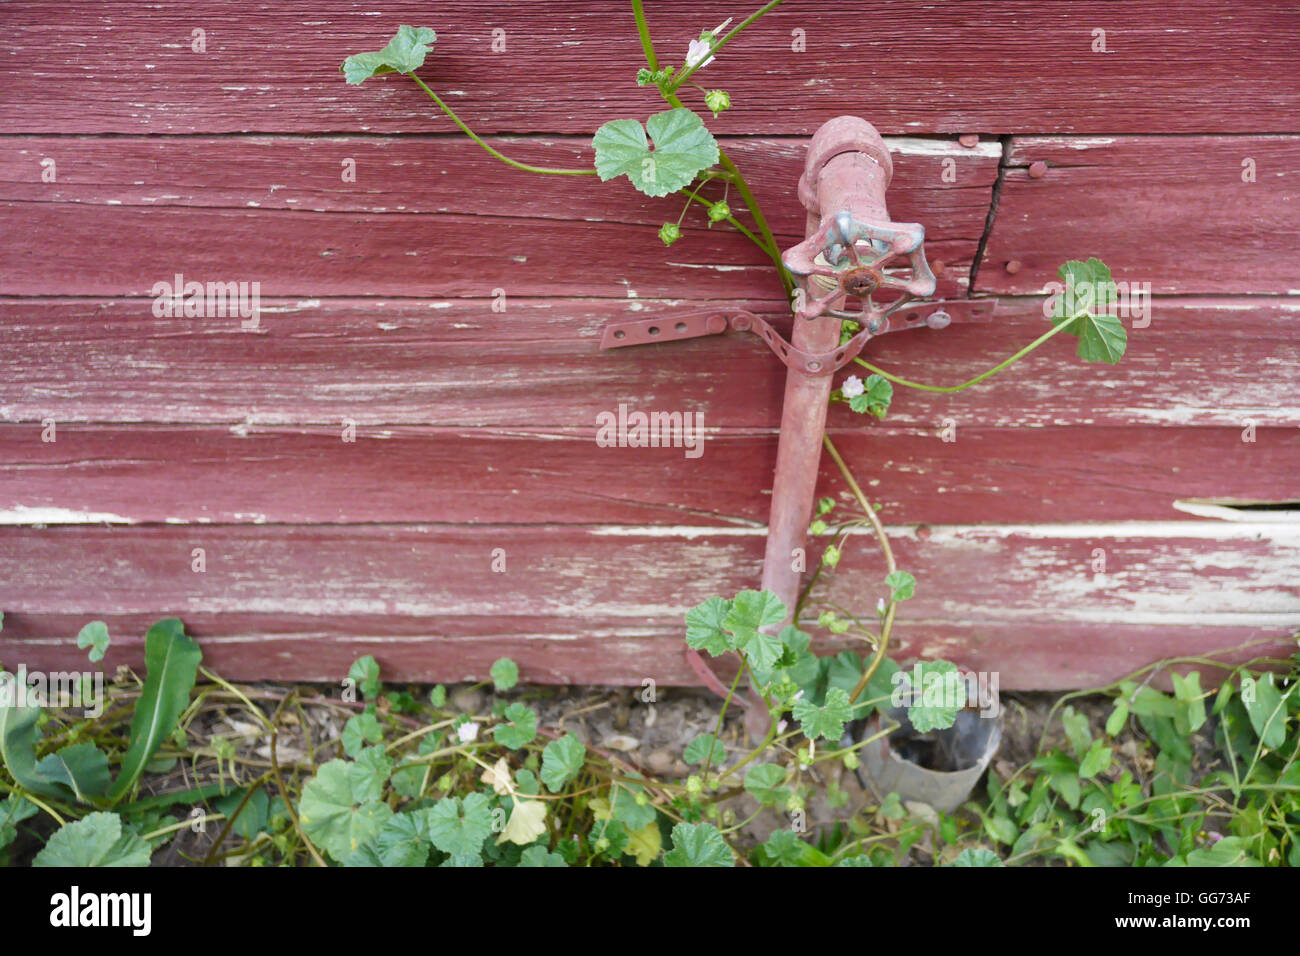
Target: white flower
467, 732
880, 605
851, 387
699, 50
780, 726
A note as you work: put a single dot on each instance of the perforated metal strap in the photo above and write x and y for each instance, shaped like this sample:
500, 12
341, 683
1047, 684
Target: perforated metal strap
688, 325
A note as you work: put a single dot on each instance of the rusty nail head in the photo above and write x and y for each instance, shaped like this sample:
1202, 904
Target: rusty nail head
717, 324
969, 140
1037, 169
923, 531
814, 366
1013, 267
938, 320
740, 323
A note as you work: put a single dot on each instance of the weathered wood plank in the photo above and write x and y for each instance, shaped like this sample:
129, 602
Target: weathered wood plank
1020, 600
937, 182
457, 363
567, 68
172, 474
1159, 570
1152, 207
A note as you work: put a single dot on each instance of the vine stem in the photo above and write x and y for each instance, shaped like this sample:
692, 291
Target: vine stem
722, 715
948, 389
550, 171
746, 194
888, 552
686, 73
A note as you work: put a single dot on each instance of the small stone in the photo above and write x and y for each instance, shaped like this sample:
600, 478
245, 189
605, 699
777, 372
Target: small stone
621, 742
660, 761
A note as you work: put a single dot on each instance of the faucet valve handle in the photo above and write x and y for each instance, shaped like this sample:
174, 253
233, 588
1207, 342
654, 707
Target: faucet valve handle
845, 257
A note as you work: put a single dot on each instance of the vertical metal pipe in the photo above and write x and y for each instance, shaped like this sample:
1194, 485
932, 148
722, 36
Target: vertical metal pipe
847, 169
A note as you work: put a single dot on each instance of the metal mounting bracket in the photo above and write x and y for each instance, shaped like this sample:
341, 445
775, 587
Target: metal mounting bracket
690, 325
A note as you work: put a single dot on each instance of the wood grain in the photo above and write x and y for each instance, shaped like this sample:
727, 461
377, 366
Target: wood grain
1169, 211
195, 474
936, 181
911, 67
457, 363
984, 594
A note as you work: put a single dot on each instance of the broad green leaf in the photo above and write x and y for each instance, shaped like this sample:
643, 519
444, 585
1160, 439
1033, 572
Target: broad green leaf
1118, 717
1188, 691
95, 840
683, 147
253, 819
333, 817
698, 844
1076, 731
1267, 715
1001, 829
540, 856
826, 721
402, 842
82, 768
1101, 336
750, 611
1230, 851
19, 735
360, 730
13, 811
704, 624
526, 782
783, 848
901, 585
1094, 761
504, 673
173, 661
94, 636
365, 671
763, 781
405, 53
408, 779
459, 826
976, 856
627, 809
520, 730
705, 747
938, 699
369, 773
561, 761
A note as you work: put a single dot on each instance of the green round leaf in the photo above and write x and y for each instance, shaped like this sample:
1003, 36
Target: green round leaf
683, 147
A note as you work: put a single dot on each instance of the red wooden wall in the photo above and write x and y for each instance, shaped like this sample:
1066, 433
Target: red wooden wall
475, 428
